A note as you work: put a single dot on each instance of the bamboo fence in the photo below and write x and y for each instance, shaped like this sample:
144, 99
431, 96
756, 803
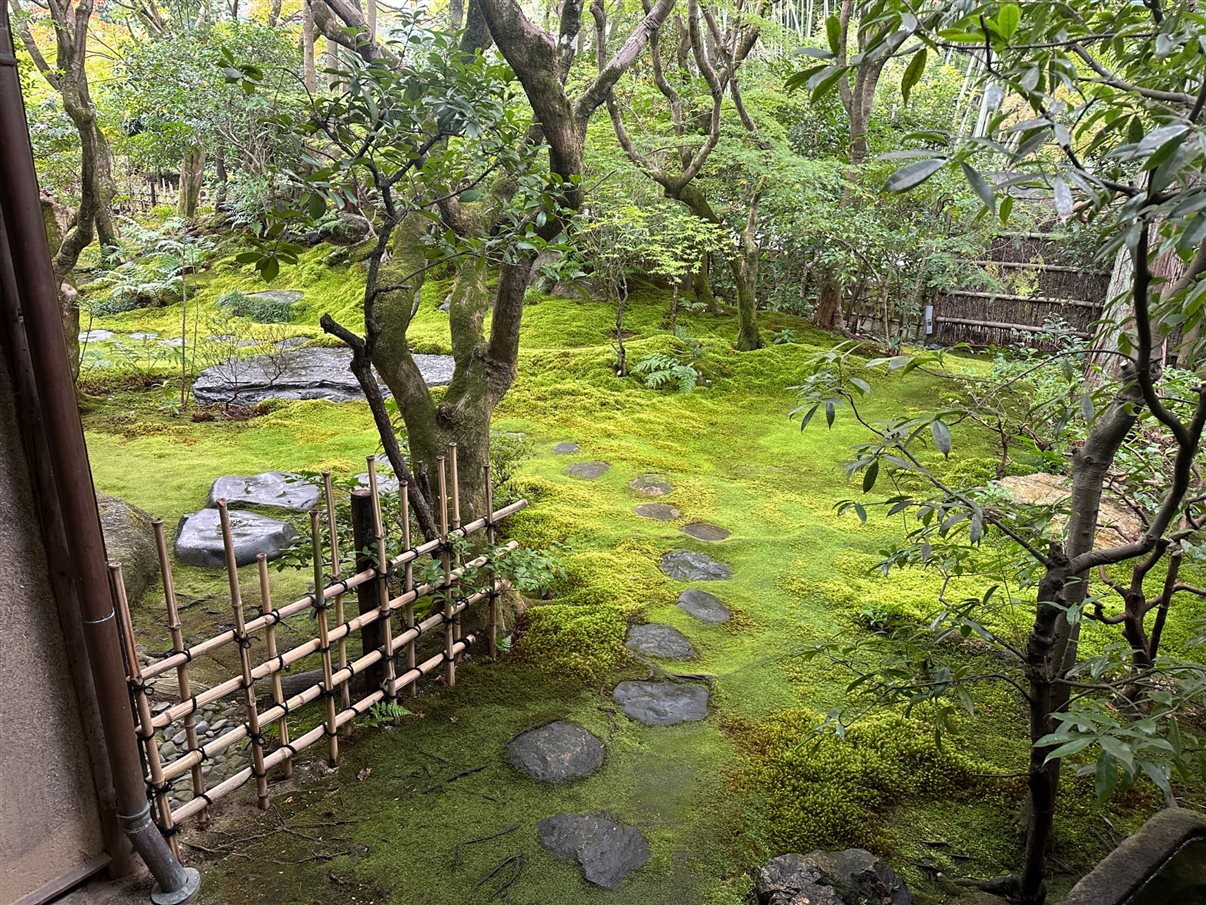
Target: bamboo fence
396, 660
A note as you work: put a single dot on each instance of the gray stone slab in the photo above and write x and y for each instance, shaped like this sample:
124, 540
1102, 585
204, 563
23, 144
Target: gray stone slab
275, 489
199, 542
651, 485
688, 565
287, 296
703, 605
662, 512
662, 703
311, 373
588, 470
144, 336
89, 336
706, 531
608, 852
564, 449
659, 641
555, 752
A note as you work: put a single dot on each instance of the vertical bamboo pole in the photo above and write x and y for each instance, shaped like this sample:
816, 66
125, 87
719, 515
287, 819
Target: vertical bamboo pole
408, 581
389, 677
278, 691
244, 643
324, 640
446, 560
182, 680
456, 523
146, 731
341, 646
491, 539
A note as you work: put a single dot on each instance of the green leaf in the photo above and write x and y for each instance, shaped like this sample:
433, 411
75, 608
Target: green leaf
1069, 748
1006, 209
316, 205
1106, 778
942, 436
269, 268
1008, 19
1118, 750
833, 30
470, 195
913, 174
913, 73
870, 475
830, 413
979, 185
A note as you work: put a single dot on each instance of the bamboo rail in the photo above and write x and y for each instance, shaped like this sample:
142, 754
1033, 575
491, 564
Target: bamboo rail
392, 658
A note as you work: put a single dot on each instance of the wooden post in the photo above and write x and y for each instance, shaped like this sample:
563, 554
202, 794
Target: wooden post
331, 727
446, 590
278, 690
364, 542
491, 539
341, 648
456, 523
408, 581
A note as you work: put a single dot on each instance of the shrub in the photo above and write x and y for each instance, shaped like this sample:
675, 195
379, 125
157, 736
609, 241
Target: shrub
260, 308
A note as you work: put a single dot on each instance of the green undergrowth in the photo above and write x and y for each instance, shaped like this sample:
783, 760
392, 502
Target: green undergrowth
404, 817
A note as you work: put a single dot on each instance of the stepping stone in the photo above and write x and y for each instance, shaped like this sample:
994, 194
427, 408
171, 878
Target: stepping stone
706, 531
199, 542
608, 852
144, 336
588, 470
386, 482
276, 489
662, 703
311, 373
556, 752
663, 512
564, 449
704, 606
659, 641
687, 565
284, 296
651, 485
89, 336
173, 343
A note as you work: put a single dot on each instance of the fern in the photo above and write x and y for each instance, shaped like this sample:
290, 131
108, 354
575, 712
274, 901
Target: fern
660, 371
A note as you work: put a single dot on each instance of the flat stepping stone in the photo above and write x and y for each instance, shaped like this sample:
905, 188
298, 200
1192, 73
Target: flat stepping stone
275, 489
663, 512
704, 606
284, 296
651, 485
659, 641
564, 449
310, 373
662, 703
199, 542
607, 852
588, 470
706, 531
688, 565
144, 336
386, 482
556, 752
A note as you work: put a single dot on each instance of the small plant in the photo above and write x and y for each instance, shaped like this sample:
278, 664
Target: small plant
661, 371
385, 713
260, 308
784, 337
529, 571
875, 618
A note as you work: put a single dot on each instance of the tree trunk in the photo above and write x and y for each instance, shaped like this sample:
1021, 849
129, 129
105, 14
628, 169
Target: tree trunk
192, 178
309, 70
829, 314
702, 285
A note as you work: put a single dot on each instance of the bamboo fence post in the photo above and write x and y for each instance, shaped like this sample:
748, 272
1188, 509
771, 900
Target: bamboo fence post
345, 699
408, 582
456, 524
278, 691
324, 641
146, 730
388, 675
446, 560
491, 537
244, 643
368, 594
182, 680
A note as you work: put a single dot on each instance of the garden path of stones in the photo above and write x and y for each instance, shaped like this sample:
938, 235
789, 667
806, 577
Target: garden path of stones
560, 752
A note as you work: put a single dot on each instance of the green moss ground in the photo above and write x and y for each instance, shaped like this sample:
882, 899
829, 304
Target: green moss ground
711, 797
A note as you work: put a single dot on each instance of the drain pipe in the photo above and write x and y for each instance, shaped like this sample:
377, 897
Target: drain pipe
37, 306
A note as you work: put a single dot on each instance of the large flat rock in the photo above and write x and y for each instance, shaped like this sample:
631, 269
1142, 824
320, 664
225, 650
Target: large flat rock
298, 374
555, 752
662, 703
688, 565
275, 489
703, 605
199, 542
608, 852
657, 640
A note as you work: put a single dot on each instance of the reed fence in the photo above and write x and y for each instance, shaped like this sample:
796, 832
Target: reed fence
391, 663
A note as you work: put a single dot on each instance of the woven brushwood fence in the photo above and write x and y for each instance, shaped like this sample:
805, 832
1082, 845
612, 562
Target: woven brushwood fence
390, 658
1042, 286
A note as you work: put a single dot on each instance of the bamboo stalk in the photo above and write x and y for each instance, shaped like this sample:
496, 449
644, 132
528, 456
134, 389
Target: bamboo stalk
244, 642
336, 573
278, 692
182, 681
491, 536
383, 607
408, 579
446, 561
146, 732
324, 641
456, 521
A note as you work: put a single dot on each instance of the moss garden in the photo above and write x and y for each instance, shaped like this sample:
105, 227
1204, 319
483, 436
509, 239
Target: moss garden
428, 809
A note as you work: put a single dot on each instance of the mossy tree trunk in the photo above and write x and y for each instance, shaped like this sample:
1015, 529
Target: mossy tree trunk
192, 180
